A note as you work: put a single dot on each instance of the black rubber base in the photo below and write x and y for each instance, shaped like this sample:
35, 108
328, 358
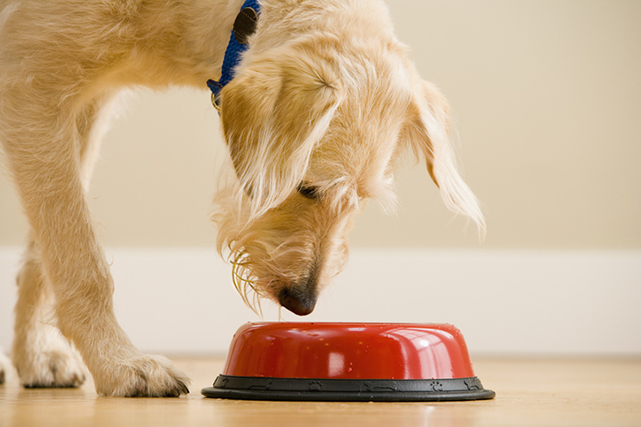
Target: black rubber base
256, 388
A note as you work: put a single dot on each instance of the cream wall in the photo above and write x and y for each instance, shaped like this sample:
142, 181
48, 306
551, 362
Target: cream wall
547, 96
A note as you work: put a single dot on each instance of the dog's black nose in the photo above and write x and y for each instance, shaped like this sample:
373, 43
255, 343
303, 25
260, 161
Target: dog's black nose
297, 301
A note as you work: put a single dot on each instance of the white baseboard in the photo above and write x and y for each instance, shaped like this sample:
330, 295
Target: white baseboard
179, 300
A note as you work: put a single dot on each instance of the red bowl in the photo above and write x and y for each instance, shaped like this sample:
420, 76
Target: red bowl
348, 361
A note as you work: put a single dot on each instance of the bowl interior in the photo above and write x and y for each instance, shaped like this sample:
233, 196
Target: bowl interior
348, 351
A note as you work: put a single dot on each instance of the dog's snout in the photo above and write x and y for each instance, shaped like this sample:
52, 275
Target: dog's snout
300, 302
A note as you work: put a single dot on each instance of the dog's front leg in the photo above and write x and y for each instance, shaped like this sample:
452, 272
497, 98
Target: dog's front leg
43, 144
42, 356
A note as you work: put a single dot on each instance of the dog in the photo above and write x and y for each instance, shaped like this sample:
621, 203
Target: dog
321, 105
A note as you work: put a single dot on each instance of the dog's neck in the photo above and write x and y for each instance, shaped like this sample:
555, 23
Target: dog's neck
244, 26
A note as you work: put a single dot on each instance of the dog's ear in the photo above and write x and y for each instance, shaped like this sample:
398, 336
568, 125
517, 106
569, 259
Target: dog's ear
274, 112
427, 134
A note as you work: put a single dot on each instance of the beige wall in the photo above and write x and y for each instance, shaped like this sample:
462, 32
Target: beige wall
547, 96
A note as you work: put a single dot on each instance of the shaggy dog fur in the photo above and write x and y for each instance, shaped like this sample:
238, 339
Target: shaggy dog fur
323, 103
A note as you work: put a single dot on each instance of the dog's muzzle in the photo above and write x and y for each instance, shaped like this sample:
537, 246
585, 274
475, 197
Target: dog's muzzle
298, 301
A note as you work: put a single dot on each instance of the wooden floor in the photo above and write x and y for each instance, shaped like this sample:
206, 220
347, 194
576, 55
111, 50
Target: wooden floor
529, 393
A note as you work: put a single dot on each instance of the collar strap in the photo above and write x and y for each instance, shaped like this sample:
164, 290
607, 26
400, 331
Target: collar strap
244, 26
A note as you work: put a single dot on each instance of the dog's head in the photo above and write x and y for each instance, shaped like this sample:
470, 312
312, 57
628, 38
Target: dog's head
314, 128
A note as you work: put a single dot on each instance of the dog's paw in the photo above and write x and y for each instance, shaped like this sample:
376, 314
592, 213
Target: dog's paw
51, 368
141, 376
5, 367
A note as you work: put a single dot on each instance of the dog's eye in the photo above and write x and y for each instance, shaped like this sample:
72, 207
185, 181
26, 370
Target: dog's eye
308, 191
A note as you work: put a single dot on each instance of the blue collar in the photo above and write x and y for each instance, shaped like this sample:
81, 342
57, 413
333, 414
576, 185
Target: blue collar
244, 26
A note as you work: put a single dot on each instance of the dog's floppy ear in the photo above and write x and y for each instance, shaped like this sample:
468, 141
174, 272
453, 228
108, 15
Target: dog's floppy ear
274, 112
427, 134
